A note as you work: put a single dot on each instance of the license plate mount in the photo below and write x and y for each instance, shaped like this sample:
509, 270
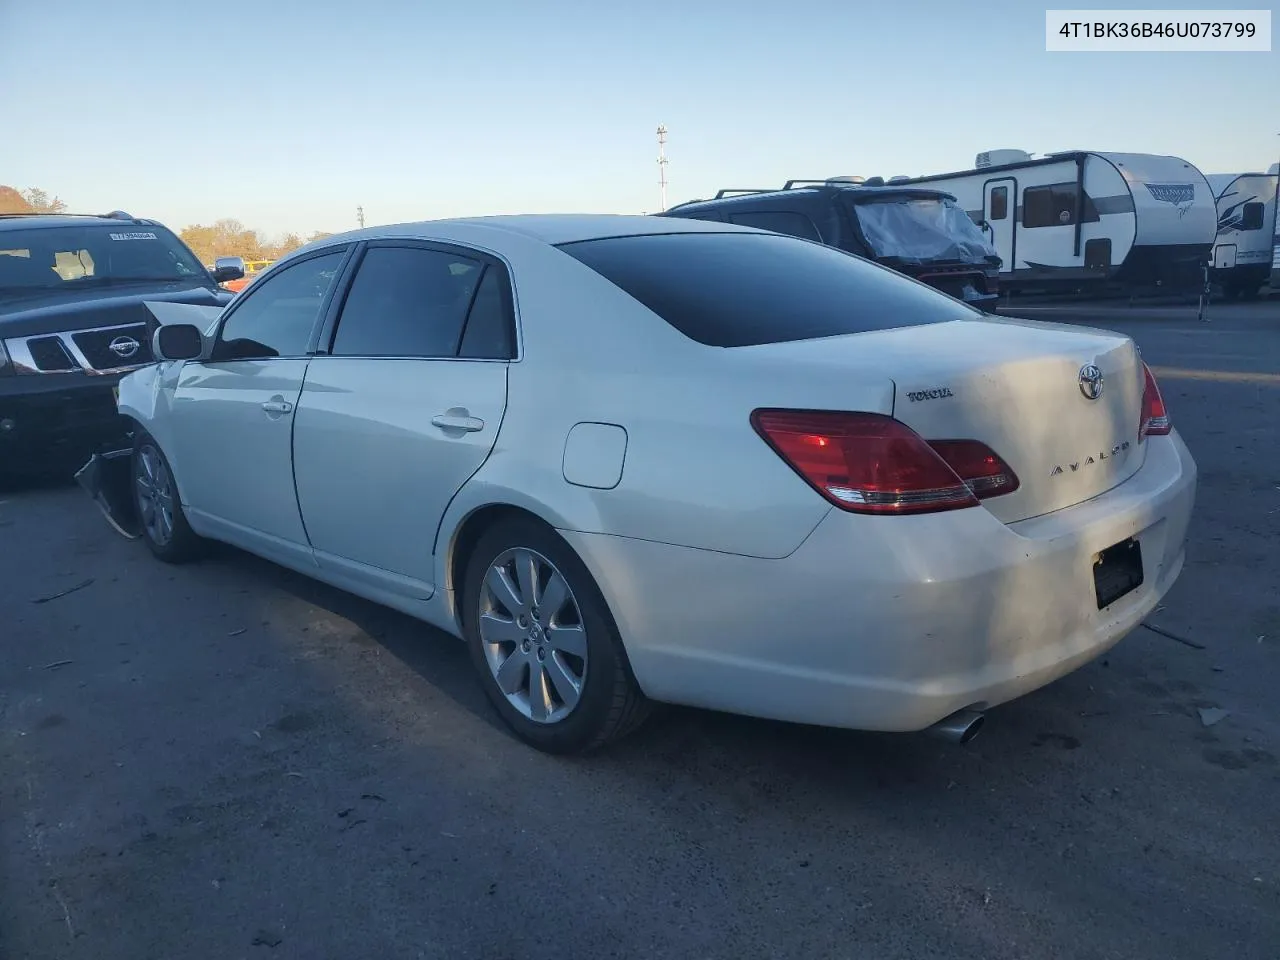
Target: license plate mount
1117, 571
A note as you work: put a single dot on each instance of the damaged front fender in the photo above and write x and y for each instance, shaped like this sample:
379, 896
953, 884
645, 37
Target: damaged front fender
108, 479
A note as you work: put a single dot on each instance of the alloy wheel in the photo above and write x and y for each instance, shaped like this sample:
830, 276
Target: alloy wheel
155, 495
532, 635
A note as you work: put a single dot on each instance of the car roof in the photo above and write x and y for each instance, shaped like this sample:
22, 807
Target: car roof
552, 228
28, 221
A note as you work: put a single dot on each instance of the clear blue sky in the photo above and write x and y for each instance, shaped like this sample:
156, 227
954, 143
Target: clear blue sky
288, 113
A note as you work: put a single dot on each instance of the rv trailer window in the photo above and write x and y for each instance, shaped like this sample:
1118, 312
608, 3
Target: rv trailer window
1251, 216
779, 221
999, 203
1055, 206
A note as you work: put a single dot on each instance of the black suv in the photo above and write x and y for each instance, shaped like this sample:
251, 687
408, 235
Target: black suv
72, 323
917, 231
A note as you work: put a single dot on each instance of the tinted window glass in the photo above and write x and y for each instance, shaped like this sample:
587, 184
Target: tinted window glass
94, 255
779, 221
489, 334
999, 203
406, 302
1054, 206
277, 314
1251, 216
730, 290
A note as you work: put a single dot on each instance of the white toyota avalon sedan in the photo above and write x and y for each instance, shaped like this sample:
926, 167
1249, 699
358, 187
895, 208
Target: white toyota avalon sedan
632, 459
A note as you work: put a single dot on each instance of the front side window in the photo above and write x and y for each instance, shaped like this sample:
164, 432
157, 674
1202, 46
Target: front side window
277, 315
407, 302
94, 255
740, 289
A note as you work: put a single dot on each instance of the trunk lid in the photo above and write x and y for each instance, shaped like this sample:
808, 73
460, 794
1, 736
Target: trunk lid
1018, 389
1016, 386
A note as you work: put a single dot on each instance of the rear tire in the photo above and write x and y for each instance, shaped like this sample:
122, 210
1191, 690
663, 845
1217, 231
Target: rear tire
160, 514
544, 643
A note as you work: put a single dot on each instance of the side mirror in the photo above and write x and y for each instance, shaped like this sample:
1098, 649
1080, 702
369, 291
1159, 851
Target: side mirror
178, 341
228, 268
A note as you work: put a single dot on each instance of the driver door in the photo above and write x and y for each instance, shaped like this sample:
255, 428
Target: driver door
233, 415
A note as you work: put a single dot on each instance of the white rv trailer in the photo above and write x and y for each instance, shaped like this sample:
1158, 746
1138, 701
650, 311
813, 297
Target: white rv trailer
1082, 219
1243, 255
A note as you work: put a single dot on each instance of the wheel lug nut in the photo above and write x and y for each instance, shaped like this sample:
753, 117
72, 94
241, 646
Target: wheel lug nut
542, 653
525, 646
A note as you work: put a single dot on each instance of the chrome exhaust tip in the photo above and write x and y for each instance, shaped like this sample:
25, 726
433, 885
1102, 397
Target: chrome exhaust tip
961, 727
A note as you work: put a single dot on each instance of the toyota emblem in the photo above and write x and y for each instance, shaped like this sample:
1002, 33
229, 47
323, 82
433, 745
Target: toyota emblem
1091, 381
124, 347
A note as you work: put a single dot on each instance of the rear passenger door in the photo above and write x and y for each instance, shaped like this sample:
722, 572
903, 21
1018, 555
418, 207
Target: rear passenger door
399, 408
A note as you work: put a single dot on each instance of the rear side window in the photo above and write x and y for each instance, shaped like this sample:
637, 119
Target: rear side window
406, 302
740, 289
489, 333
779, 221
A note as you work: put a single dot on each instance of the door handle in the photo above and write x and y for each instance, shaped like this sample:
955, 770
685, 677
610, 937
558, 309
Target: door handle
277, 406
452, 421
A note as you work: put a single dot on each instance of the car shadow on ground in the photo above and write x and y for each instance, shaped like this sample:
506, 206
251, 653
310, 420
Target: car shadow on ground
676, 738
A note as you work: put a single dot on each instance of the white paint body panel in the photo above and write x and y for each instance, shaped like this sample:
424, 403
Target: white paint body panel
594, 455
235, 458
367, 457
1249, 247
877, 622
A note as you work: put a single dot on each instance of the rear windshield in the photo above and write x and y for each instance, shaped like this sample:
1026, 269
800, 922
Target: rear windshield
93, 255
740, 289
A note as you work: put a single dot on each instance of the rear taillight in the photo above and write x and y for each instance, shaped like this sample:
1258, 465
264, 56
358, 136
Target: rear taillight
978, 466
870, 463
1155, 416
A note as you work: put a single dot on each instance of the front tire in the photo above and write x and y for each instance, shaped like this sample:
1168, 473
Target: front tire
544, 643
160, 514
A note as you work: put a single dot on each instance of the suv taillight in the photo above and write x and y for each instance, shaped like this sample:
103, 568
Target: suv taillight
1155, 416
870, 463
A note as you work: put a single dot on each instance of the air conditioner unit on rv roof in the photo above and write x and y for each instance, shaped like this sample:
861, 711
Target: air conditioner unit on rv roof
998, 158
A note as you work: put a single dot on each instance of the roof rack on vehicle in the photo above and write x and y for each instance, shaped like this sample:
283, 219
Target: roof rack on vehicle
827, 182
113, 215
727, 192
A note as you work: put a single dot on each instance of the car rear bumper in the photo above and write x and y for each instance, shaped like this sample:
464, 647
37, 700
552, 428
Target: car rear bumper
893, 623
56, 418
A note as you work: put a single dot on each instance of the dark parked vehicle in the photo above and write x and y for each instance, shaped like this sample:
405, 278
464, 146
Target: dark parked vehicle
921, 232
73, 322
